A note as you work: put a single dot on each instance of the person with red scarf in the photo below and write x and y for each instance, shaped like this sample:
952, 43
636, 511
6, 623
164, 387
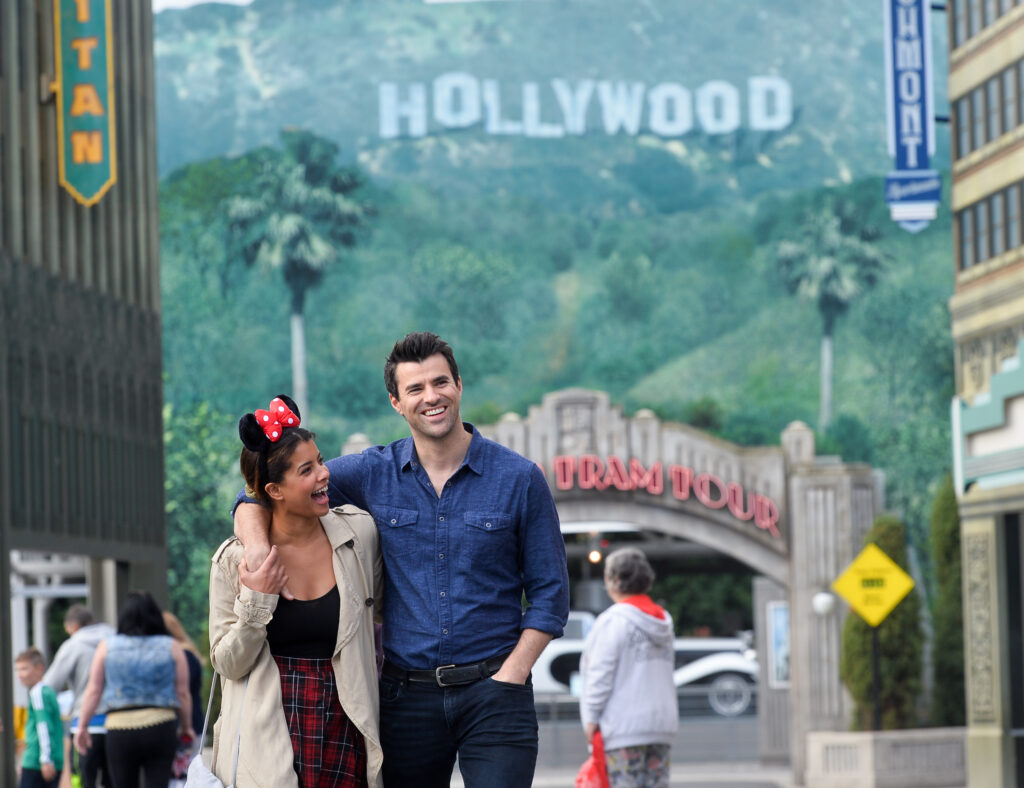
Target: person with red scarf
626, 667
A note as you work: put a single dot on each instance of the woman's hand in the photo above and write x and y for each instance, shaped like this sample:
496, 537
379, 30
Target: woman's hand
589, 730
83, 741
270, 578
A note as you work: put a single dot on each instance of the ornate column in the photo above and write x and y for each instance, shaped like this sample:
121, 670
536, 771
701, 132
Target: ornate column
989, 748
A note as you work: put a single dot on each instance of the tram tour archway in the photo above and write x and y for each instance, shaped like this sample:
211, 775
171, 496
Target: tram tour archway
795, 518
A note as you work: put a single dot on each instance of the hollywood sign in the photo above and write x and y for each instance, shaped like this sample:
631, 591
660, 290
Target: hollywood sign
458, 100
590, 472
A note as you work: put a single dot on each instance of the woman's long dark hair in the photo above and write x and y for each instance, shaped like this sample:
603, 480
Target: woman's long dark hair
141, 615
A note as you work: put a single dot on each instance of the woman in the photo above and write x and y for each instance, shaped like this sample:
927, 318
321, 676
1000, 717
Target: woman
187, 747
195, 666
626, 667
141, 676
299, 675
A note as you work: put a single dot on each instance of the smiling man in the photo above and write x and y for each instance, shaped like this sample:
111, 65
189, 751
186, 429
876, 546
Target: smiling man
468, 529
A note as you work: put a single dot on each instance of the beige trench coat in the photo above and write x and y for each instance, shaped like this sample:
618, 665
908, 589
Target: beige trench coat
238, 647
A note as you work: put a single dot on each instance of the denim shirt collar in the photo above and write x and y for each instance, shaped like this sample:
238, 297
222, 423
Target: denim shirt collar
474, 459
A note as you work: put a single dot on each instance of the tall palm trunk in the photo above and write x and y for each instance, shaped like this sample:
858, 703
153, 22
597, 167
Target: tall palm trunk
300, 386
825, 384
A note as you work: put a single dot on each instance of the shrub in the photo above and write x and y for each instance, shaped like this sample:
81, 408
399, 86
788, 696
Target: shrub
948, 617
900, 644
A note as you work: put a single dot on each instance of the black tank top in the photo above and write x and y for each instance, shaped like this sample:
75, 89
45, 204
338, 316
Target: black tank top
305, 628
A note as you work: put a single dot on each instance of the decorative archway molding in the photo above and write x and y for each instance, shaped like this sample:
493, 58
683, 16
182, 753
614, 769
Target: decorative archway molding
795, 518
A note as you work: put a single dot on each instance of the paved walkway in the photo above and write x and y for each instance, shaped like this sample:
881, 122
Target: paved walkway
690, 775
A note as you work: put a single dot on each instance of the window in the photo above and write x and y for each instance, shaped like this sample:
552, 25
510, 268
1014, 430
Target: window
1005, 6
1020, 89
975, 20
966, 238
1009, 99
991, 12
981, 231
995, 107
963, 127
997, 241
959, 22
1013, 216
978, 118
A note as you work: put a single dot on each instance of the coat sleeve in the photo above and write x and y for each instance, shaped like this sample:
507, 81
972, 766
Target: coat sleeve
597, 669
238, 620
58, 675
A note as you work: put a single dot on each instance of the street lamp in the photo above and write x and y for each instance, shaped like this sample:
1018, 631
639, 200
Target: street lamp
823, 603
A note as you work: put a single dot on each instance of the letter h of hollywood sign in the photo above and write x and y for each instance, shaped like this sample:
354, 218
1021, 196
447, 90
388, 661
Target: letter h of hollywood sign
590, 472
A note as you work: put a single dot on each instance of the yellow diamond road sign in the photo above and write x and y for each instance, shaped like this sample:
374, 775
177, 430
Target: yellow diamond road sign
873, 584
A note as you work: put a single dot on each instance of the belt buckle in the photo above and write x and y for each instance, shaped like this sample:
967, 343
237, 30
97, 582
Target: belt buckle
437, 675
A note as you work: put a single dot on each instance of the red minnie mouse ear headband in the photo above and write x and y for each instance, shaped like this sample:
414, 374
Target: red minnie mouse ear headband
268, 425
276, 418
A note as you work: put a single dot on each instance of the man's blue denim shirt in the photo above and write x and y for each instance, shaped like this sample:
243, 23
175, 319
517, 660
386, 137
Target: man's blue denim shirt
457, 566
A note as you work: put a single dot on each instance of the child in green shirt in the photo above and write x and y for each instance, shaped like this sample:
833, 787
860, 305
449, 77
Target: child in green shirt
44, 754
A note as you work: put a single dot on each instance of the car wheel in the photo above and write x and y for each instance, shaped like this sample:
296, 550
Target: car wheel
729, 694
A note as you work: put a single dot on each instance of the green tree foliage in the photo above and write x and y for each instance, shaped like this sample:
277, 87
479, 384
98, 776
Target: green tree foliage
948, 650
296, 217
716, 595
830, 266
200, 451
900, 644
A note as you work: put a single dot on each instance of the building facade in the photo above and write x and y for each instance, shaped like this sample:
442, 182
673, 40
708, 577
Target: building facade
81, 450
986, 92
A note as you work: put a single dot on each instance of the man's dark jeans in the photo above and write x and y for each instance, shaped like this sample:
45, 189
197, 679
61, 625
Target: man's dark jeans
490, 725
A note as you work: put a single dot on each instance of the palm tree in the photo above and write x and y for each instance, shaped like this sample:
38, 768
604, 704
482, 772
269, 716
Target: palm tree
831, 268
297, 218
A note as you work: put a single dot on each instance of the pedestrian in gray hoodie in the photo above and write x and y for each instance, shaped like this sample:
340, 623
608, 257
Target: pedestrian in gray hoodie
626, 667
70, 669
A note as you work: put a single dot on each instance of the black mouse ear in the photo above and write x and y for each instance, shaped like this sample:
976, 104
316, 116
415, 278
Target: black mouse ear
251, 433
291, 404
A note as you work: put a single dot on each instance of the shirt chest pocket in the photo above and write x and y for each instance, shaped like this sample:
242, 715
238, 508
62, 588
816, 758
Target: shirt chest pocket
398, 537
489, 535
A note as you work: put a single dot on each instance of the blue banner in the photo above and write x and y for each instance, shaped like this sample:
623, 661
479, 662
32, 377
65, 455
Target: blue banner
913, 189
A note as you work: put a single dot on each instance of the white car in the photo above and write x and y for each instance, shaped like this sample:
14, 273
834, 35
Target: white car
723, 668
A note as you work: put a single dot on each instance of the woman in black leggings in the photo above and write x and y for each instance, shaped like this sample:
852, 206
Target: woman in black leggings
142, 677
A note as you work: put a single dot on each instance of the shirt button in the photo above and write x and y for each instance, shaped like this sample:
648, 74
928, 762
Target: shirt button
488, 525
441, 519
369, 601
441, 556
393, 521
444, 631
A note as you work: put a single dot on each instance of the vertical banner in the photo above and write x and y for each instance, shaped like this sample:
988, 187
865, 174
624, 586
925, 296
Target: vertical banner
912, 189
84, 46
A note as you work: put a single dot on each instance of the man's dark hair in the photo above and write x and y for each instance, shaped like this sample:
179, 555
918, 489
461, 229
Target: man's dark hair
79, 616
141, 615
417, 346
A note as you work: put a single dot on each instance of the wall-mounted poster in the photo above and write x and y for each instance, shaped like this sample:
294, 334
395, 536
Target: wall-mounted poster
778, 645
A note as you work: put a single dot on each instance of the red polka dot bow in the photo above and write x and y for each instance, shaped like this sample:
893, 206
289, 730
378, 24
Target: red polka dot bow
274, 420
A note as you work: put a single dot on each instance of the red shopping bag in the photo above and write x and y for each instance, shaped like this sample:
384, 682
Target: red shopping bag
594, 773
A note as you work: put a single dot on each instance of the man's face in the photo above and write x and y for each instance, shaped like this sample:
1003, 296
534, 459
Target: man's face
428, 397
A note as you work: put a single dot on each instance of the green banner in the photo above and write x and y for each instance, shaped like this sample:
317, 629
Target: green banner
83, 38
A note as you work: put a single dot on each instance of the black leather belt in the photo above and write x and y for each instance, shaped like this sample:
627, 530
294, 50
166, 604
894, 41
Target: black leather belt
447, 675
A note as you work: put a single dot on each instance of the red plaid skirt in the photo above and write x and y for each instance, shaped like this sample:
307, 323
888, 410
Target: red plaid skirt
329, 749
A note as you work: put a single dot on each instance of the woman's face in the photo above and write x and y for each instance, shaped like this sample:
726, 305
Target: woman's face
303, 489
